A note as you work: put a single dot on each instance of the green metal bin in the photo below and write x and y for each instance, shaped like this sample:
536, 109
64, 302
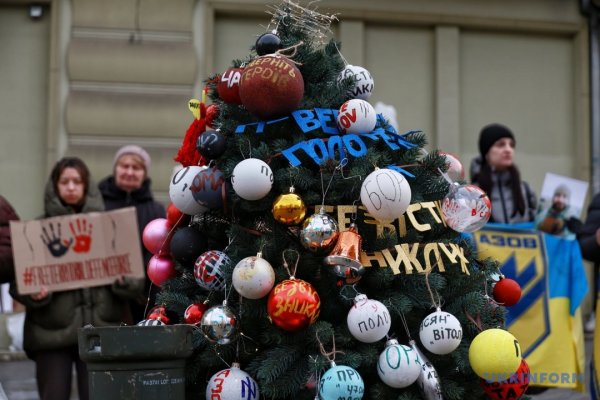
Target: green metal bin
136, 362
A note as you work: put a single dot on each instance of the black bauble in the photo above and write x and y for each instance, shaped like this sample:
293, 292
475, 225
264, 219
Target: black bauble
211, 144
267, 43
187, 244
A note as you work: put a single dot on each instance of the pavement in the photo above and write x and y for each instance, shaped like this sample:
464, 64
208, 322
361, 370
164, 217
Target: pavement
17, 380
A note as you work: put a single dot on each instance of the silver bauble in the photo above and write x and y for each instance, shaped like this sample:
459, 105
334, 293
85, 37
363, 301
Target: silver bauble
319, 232
219, 325
428, 380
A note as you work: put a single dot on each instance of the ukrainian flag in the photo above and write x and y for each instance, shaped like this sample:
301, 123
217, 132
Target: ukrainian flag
547, 320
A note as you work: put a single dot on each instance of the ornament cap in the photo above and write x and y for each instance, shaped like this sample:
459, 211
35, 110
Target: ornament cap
391, 342
292, 189
360, 298
235, 365
259, 254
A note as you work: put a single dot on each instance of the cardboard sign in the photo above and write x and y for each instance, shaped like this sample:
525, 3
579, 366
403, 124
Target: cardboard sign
76, 251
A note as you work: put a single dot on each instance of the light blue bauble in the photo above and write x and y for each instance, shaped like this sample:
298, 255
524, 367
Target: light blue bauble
341, 382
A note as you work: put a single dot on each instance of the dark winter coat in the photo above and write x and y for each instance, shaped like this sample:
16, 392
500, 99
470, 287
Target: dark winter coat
586, 234
7, 213
147, 210
52, 322
501, 196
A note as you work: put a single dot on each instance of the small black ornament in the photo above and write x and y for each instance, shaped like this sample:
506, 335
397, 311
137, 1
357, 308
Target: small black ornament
211, 144
187, 244
267, 43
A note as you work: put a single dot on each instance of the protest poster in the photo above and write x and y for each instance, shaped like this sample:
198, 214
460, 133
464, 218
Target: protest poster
76, 251
561, 198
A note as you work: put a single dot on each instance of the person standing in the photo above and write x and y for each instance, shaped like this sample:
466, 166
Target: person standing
128, 186
52, 319
7, 214
495, 172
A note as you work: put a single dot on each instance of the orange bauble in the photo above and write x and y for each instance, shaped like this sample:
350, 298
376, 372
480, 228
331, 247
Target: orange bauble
228, 86
271, 86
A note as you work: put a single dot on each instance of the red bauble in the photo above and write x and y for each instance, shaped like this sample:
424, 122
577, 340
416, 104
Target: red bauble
271, 87
229, 86
293, 305
176, 217
212, 112
507, 387
160, 269
158, 313
156, 236
507, 292
193, 313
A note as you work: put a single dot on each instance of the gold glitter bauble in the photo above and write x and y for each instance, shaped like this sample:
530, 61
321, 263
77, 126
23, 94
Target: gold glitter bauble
289, 209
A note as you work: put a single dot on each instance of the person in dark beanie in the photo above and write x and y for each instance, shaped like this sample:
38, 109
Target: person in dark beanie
129, 186
494, 171
7, 214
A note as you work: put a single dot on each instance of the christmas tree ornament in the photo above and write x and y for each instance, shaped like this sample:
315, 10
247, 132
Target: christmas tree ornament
252, 179
161, 313
386, 194
466, 208
293, 305
356, 116
187, 244
455, 171
440, 332
267, 43
160, 269
363, 83
219, 324
399, 366
341, 382
494, 352
507, 387
150, 322
232, 384
211, 144
428, 380
180, 191
289, 208
271, 86
344, 259
155, 236
507, 292
228, 87
368, 320
212, 113
319, 232
175, 217
193, 313
253, 277
209, 270
187, 154
206, 188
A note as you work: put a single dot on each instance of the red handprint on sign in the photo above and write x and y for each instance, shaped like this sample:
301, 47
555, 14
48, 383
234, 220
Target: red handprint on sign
82, 232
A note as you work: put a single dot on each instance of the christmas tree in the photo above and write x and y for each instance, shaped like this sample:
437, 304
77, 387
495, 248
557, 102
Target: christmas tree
324, 255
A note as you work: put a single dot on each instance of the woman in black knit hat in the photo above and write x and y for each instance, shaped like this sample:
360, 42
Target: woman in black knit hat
494, 171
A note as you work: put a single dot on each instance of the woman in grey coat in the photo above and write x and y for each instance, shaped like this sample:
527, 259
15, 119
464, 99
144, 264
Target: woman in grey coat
494, 171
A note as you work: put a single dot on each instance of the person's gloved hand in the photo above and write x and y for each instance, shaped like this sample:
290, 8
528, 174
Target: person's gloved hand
574, 224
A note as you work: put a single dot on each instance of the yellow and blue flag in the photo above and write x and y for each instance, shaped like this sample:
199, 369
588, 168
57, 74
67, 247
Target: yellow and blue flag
547, 320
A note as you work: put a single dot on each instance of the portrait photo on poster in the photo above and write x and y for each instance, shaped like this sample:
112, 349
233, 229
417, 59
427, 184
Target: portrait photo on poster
561, 198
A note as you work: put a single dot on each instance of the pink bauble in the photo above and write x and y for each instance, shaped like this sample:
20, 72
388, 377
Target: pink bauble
160, 269
156, 236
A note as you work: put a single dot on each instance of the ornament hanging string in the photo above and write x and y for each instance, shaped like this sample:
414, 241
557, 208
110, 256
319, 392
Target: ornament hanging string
293, 49
340, 53
346, 288
330, 356
292, 272
476, 321
325, 190
405, 324
433, 301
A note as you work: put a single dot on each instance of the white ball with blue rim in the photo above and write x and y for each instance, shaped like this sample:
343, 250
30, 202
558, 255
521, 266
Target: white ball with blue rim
232, 384
341, 382
368, 320
440, 332
386, 194
399, 366
252, 179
